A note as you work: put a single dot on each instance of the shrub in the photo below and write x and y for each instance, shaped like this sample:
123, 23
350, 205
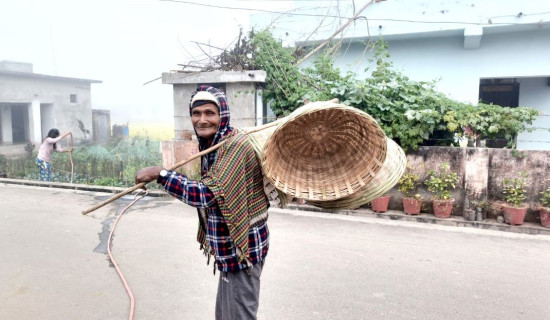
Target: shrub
408, 183
514, 189
545, 198
442, 182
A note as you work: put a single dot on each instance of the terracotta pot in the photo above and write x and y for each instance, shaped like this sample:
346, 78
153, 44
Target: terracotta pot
412, 205
513, 215
443, 208
544, 214
380, 204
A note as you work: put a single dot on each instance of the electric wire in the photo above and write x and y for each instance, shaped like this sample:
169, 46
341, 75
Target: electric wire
361, 17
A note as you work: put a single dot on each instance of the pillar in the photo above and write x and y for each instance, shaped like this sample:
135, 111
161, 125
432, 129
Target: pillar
5, 117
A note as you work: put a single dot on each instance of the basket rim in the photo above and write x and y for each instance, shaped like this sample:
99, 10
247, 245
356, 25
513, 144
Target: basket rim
323, 192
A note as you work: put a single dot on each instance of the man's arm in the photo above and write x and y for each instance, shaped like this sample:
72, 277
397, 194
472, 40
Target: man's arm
192, 192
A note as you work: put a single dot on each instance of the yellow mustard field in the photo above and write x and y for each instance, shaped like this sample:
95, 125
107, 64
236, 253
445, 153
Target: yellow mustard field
155, 131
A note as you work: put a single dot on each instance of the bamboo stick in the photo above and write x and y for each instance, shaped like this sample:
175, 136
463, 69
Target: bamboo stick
175, 166
71, 156
181, 163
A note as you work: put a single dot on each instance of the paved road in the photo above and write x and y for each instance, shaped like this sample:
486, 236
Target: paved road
320, 266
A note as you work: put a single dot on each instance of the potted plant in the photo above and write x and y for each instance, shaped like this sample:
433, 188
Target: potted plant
514, 193
407, 186
380, 204
544, 210
441, 183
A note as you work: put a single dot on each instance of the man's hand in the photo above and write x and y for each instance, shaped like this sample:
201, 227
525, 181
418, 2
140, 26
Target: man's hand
148, 174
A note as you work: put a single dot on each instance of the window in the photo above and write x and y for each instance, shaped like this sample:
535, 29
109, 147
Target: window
73, 98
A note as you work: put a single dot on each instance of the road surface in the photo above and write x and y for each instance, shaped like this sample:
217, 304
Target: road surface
320, 266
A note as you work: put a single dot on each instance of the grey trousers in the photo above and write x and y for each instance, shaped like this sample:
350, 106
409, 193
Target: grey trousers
239, 294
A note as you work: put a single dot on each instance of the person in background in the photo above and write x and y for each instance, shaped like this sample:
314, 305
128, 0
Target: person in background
44, 158
232, 206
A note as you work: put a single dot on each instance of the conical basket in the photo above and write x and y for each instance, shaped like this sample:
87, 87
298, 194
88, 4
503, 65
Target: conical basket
388, 176
324, 151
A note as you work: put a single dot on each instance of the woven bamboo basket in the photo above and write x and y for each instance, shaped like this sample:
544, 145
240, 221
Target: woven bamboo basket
388, 176
258, 137
324, 151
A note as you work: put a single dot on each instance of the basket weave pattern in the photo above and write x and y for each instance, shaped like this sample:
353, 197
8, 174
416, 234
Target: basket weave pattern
324, 151
388, 176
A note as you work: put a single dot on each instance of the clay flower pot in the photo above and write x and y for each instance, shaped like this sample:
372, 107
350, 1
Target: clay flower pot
544, 214
514, 215
412, 205
443, 208
380, 204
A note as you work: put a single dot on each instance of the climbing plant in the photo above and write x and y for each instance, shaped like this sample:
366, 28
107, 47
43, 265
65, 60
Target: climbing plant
412, 113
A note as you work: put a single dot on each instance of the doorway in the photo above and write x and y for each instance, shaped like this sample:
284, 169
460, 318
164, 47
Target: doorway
503, 92
19, 123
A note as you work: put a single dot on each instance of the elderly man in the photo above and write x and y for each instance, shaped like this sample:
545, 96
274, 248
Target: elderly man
232, 206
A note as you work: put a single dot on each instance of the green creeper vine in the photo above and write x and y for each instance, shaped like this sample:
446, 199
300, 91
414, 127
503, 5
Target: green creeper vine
410, 112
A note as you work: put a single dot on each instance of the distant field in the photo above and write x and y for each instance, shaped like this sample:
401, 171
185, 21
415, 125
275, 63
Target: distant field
155, 131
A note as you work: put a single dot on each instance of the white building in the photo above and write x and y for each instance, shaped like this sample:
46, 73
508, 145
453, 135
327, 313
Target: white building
492, 50
31, 104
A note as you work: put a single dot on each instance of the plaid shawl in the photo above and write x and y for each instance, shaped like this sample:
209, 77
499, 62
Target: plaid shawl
233, 173
236, 181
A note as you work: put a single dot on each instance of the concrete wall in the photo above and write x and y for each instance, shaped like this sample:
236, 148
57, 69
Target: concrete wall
240, 97
535, 92
176, 151
55, 91
481, 171
241, 92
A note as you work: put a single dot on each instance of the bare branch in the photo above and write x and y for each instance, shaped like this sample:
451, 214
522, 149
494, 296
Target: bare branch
319, 47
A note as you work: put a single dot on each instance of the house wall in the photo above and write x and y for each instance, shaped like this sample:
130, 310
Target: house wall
522, 55
535, 92
36, 91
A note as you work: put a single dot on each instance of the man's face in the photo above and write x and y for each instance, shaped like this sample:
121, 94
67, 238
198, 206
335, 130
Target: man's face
206, 120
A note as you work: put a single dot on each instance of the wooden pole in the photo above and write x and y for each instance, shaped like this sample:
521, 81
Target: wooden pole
181, 163
175, 166
71, 156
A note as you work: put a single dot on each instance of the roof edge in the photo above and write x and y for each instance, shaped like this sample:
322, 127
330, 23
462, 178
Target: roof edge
45, 76
213, 77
